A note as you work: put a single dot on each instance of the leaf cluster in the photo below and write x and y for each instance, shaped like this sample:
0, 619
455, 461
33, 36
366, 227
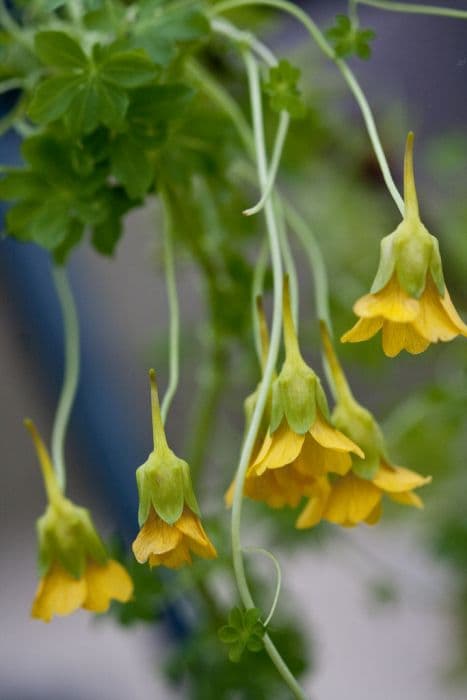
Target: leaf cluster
244, 632
283, 91
349, 40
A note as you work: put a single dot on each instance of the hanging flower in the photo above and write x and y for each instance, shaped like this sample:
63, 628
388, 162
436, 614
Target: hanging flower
408, 301
168, 515
356, 496
74, 566
301, 445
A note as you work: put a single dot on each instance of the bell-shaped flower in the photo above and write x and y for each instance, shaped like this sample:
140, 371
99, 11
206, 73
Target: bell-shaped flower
75, 569
301, 444
168, 515
356, 496
408, 301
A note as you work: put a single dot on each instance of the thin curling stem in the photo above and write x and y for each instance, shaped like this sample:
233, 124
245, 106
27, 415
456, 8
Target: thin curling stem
174, 313
347, 74
415, 9
281, 135
71, 371
277, 566
239, 568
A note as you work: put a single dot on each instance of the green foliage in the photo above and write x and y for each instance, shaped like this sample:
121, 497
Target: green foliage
348, 39
283, 91
244, 631
203, 665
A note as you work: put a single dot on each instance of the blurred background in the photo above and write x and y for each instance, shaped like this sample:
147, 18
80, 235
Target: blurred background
383, 611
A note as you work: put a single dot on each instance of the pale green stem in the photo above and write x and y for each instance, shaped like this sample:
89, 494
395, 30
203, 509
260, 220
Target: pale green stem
221, 26
257, 291
239, 568
174, 313
281, 135
71, 371
270, 555
287, 256
12, 27
347, 74
304, 233
415, 9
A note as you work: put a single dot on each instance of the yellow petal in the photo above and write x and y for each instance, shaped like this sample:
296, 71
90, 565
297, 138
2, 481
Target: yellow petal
351, 500
375, 515
364, 329
407, 498
155, 537
313, 511
329, 437
106, 582
315, 460
58, 593
449, 307
267, 488
172, 560
398, 479
197, 540
438, 319
279, 449
229, 494
402, 336
391, 303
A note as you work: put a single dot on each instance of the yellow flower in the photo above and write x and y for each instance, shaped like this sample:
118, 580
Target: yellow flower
409, 301
59, 593
301, 445
356, 496
168, 511
350, 500
74, 566
171, 545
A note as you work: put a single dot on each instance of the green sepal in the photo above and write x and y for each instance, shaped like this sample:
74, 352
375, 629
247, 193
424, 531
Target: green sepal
436, 267
386, 265
360, 426
277, 408
321, 400
67, 535
297, 384
412, 249
161, 482
188, 492
144, 495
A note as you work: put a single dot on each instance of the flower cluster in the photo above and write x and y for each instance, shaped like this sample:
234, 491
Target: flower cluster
338, 462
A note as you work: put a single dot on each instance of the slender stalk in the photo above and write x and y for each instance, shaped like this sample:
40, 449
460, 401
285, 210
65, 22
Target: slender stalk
287, 256
71, 371
279, 142
257, 291
174, 313
304, 233
347, 74
270, 555
239, 568
415, 9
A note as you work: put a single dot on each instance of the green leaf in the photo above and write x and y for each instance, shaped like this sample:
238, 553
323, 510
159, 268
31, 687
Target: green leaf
349, 40
283, 91
131, 166
83, 113
228, 634
73, 237
128, 69
60, 50
22, 184
112, 105
53, 97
